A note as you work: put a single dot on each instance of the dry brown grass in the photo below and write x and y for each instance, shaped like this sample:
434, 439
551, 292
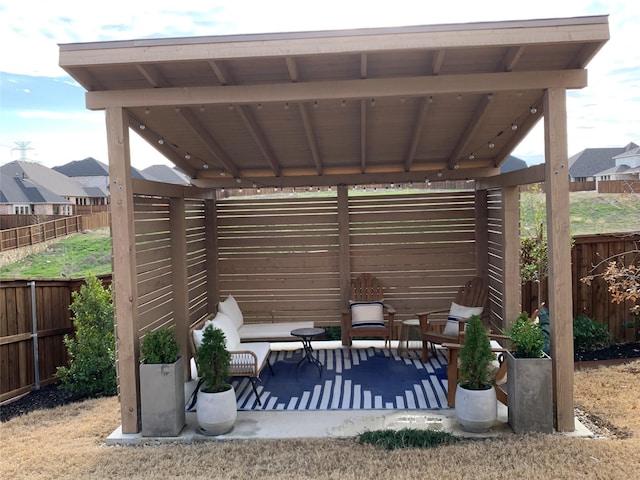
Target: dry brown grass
68, 443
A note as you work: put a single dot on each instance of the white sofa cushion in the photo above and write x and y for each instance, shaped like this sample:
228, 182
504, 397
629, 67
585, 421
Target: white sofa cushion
224, 323
231, 309
271, 331
456, 312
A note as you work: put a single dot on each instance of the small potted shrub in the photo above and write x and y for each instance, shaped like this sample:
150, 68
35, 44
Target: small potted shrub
476, 404
161, 384
216, 409
529, 376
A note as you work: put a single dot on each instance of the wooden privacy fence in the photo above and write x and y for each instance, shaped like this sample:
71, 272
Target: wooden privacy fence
41, 232
593, 300
34, 316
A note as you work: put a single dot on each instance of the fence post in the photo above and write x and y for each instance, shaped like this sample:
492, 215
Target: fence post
34, 334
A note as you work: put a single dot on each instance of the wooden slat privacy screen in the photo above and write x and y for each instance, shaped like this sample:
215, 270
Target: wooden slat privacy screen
495, 260
280, 258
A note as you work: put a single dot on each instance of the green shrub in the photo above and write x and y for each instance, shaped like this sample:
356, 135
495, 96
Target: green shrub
406, 438
159, 346
589, 335
213, 361
333, 333
476, 356
92, 365
527, 337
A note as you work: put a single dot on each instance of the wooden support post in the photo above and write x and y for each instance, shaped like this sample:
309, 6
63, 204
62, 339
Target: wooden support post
559, 240
511, 295
482, 234
344, 251
179, 277
124, 268
211, 239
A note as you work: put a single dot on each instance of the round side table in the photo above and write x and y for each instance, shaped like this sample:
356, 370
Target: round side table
404, 350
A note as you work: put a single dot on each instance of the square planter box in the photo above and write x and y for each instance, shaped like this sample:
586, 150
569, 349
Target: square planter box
162, 399
529, 394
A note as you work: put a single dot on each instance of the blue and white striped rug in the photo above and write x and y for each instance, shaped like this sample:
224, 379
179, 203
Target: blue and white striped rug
369, 380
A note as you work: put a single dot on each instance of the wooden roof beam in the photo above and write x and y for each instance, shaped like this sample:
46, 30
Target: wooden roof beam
512, 57
165, 149
363, 135
332, 89
417, 131
311, 137
292, 67
221, 72
205, 137
472, 125
153, 75
436, 64
256, 132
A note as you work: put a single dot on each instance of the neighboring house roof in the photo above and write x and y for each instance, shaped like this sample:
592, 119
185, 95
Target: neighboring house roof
43, 178
512, 163
616, 169
629, 153
89, 167
592, 161
166, 174
15, 189
96, 192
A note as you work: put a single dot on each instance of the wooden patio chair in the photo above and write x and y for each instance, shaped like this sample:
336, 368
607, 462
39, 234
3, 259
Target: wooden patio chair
367, 316
470, 300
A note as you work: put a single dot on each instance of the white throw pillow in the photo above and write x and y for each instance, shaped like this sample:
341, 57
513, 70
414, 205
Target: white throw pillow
224, 323
367, 314
231, 309
456, 312
197, 334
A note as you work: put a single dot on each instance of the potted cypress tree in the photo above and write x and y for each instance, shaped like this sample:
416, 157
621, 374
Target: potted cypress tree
529, 376
216, 409
476, 403
161, 384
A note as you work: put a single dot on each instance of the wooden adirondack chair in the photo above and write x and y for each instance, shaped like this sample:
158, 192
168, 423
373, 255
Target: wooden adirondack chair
367, 316
470, 299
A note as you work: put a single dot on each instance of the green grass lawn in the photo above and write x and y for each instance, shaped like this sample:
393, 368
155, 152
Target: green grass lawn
90, 251
74, 256
590, 212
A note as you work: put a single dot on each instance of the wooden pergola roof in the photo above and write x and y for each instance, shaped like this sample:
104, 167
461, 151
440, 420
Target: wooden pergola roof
340, 108
336, 107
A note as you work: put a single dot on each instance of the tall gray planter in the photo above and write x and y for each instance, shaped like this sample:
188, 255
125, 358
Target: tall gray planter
529, 394
162, 399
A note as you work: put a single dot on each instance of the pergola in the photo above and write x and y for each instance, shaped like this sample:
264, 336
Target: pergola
340, 108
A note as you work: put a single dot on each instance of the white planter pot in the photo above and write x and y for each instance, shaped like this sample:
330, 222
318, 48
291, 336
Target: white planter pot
162, 399
476, 410
216, 412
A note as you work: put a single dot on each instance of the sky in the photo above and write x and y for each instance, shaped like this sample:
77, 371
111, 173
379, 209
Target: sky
43, 110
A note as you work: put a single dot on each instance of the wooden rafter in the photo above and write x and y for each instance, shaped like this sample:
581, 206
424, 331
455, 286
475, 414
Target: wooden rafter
436, 64
363, 136
472, 125
221, 72
165, 149
512, 57
261, 140
153, 76
207, 139
292, 67
311, 138
417, 131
